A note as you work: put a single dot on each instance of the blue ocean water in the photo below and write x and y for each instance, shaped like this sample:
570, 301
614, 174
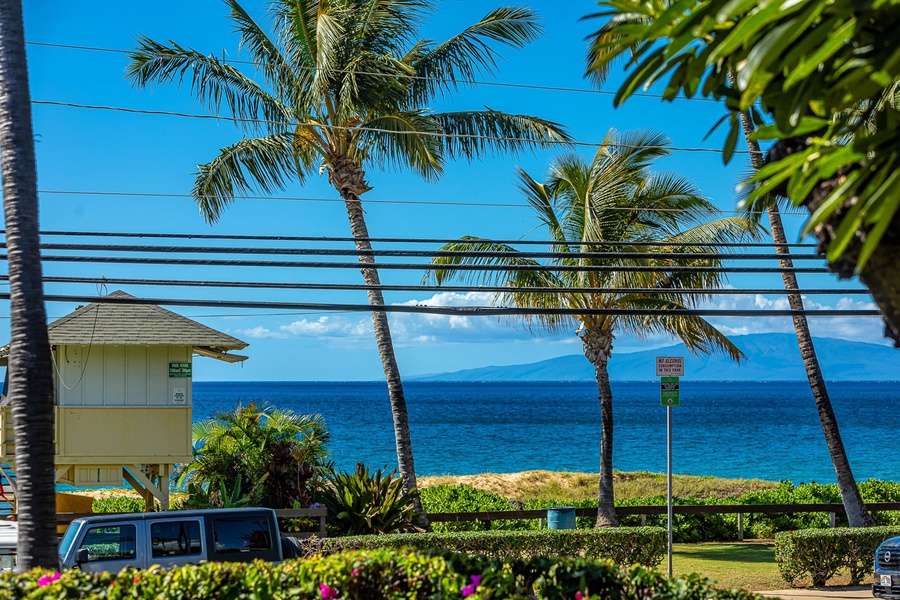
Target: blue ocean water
767, 430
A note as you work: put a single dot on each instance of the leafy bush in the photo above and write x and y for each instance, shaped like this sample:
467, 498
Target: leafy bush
118, 503
465, 498
362, 503
375, 575
625, 546
687, 528
255, 455
820, 553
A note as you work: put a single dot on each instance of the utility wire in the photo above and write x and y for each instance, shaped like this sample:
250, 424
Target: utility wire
136, 260
490, 311
437, 134
329, 239
524, 86
595, 255
435, 288
793, 211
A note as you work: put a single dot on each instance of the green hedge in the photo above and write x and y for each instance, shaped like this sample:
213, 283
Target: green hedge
818, 554
372, 575
624, 546
688, 528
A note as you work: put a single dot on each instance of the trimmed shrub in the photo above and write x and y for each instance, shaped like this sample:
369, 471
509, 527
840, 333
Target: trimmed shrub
624, 546
375, 575
820, 553
117, 504
465, 498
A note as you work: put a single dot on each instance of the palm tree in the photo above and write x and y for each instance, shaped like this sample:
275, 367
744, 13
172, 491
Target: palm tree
345, 84
599, 58
30, 368
610, 212
258, 448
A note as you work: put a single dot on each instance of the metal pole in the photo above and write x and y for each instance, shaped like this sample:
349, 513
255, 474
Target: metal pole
669, 480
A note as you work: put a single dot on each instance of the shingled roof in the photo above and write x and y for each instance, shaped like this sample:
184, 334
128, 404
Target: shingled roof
136, 324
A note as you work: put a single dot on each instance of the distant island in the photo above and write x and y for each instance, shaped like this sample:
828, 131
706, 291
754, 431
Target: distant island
770, 357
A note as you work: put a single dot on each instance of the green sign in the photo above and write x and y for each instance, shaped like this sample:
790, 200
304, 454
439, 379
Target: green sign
668, 391
179, 369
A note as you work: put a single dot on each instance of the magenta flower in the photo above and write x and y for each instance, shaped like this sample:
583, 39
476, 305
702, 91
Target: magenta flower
579, 596
468, 590
476, 580
354, 572
46, 580
327, 591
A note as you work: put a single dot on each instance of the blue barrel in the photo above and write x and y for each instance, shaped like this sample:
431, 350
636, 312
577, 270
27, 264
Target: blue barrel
561, 517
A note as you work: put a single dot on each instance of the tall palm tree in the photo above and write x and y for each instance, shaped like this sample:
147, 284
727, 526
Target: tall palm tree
599, 58
341, 85
30, 368
635, 219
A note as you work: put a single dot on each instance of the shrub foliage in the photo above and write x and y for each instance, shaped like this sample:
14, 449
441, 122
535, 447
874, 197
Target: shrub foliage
622, 545
818, 554
373, 575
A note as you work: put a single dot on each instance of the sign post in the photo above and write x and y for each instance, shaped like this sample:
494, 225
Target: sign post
669, 369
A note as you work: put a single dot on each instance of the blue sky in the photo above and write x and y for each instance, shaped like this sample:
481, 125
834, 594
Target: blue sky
116, 152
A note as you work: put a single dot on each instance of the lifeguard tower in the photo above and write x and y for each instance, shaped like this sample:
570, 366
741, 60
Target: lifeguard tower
123, 394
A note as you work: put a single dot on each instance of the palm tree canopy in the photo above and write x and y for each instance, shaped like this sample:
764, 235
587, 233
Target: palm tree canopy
340, 80
594, 207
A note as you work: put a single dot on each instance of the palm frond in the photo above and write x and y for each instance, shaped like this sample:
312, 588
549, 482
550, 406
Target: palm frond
266, 55
212, 82
403, 140
474, 134
266, 162
469, 56
540, 197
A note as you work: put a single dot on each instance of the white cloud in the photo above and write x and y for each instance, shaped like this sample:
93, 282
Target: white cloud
259, 332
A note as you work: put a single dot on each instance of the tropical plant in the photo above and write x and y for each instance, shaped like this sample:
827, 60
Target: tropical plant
30, 370
609, 43
362, 503
621, 261
255, 454
819, 71
346, 84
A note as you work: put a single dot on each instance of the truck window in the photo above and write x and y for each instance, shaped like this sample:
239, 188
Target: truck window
241, 534
110, 542
175, 538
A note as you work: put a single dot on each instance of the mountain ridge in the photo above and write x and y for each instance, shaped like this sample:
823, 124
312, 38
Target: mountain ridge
770, 357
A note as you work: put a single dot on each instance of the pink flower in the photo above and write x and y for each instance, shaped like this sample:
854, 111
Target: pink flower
468, 590
579, 596
476, 580
46, 580
327, 591
136, 579
354, 572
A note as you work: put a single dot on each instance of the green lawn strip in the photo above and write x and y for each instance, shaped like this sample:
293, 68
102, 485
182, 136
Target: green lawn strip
747, 565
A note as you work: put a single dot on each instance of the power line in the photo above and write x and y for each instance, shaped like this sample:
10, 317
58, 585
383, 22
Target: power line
791, 211
576, 143
525, 86
595, 255
432, 288
136, 260
330, 239
491, 311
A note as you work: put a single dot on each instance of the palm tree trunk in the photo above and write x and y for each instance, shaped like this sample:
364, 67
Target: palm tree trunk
857, 515
597, 349
30, 367
349, 179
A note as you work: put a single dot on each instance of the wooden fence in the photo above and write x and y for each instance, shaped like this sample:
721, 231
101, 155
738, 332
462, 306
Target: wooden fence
706, 509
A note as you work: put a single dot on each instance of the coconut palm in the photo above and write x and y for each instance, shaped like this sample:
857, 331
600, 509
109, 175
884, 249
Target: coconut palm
615, 218
600, 56
259, 449
342, 85
30, 368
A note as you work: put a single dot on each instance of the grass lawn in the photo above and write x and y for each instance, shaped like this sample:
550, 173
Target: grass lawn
748, 565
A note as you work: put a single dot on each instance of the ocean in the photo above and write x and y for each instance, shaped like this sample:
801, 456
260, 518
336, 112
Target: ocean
766, 430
